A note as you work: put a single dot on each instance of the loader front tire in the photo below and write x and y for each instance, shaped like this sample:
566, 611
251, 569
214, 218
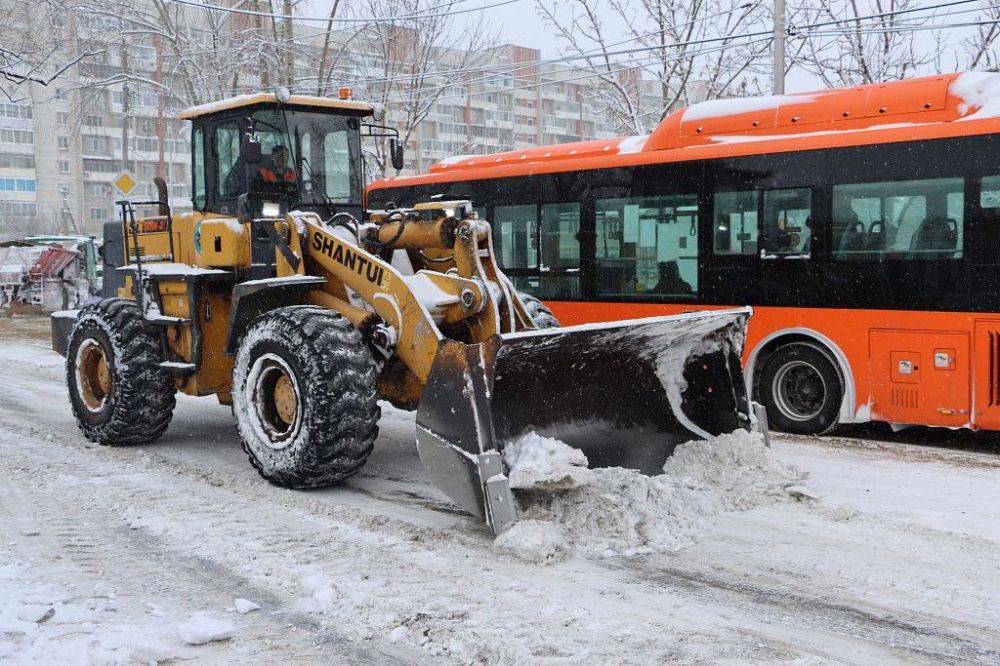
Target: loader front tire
119, 394
541, 315
304, 395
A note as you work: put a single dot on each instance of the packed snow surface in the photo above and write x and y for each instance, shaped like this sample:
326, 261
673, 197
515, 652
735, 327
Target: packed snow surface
622, 512
538, 541
202, 628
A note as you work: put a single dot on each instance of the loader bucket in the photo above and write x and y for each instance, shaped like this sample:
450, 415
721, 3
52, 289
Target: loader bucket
626, 393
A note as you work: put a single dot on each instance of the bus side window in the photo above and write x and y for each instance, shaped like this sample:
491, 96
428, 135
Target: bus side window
647, 246
911, 219
787, 224
559, 236
989, 194
735, 223
516, 230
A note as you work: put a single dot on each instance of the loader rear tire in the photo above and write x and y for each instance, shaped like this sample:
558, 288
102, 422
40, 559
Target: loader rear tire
119, 394
304, 393
540, 313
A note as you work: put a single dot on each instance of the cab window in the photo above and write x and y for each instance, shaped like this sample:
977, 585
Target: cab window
230, 173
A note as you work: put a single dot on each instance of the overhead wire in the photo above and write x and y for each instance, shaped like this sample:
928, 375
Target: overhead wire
350, 20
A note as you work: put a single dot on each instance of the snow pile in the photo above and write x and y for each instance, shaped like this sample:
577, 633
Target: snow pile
543, 463
623, 512
535, 541
201, 629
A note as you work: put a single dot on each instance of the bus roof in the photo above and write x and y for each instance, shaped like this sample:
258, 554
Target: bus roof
921, 108
253, 99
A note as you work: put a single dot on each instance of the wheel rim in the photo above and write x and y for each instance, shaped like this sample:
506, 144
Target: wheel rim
799, 391
93, 375
276, 400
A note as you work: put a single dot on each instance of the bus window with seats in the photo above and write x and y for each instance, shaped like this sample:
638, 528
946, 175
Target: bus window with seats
787, 225
736, 223
913, 219
647, 246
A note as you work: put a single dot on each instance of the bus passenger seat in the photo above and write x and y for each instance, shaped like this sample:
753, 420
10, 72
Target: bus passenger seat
877, 240
853, 239
936, 234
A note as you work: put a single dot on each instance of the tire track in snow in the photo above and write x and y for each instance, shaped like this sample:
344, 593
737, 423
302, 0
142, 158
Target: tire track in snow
814, 613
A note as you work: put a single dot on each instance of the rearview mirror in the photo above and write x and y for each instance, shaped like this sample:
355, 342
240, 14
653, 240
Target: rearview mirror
396, 153
250, 149
249, 142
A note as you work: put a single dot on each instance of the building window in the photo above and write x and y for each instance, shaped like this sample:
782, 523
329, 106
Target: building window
62, 142
63, 166
98, 214
16, 136
62, 118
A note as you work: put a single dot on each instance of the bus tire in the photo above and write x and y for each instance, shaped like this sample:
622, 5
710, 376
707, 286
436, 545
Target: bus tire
801, 389
305, 398
540, 314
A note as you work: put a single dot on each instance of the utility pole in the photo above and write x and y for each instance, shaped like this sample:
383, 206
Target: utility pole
125, 96
289, 45
778, 88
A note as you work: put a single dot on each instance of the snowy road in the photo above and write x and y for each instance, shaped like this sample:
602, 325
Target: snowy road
898, 560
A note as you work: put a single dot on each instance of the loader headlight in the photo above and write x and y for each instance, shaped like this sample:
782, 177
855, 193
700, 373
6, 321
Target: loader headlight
270, 209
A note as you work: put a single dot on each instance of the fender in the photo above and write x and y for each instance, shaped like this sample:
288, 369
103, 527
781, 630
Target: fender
847, 411
254, 298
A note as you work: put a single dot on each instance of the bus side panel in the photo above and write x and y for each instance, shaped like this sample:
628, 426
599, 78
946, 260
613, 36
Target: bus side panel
949, 374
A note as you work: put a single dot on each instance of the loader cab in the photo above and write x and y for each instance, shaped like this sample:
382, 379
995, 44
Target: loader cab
271, 155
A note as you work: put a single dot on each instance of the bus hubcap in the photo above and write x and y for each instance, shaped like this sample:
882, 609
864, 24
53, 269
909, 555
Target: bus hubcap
799, 390
93, 375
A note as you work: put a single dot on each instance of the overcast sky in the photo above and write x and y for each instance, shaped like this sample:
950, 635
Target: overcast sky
519, 23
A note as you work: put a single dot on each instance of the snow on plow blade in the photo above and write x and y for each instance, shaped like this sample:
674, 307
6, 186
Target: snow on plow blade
626, 393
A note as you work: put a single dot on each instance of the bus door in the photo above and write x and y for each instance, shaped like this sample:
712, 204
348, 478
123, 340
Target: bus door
984, 269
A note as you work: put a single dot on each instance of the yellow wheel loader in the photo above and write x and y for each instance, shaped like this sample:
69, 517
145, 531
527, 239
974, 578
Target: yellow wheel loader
282, 297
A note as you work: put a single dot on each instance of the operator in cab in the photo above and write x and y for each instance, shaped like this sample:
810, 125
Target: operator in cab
279, 170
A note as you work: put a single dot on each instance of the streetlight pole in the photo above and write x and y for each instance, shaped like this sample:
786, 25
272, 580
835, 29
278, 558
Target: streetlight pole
778, 87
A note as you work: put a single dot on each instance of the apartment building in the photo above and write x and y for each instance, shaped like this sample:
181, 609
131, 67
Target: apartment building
61, 147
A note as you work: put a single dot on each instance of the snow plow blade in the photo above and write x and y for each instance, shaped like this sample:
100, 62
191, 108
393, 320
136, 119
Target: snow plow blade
626, 393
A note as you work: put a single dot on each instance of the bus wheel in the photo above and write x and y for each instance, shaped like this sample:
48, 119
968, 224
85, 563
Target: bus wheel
801, 389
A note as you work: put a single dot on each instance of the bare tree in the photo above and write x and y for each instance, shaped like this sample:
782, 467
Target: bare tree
409, 64
979, 51
852, 43
32, 45
687, 49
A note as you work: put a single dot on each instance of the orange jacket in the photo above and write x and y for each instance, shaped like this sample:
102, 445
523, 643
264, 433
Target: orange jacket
287, 176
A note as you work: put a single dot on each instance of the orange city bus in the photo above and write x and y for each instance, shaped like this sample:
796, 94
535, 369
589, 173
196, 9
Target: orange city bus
862, 225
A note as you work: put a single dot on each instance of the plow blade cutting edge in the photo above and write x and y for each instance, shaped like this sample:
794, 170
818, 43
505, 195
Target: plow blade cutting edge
626, 393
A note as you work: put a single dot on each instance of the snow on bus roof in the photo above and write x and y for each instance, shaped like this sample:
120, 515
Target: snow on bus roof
731, 106
889, 107
270, 98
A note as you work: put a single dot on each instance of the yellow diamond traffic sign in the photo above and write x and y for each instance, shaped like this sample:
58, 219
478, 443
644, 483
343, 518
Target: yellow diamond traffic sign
124, 182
